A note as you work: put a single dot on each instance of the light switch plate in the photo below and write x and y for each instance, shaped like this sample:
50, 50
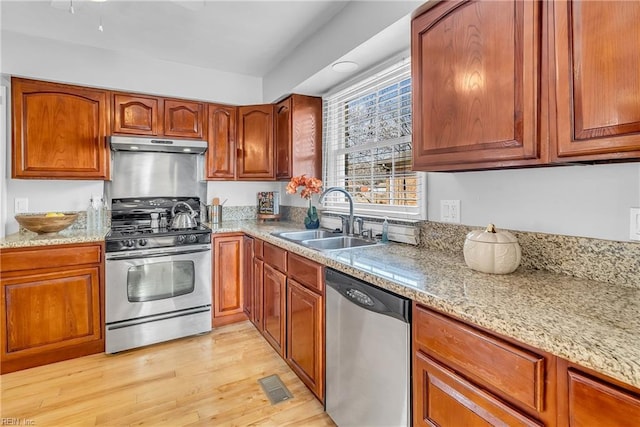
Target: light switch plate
21, 205
450, 211
634, 224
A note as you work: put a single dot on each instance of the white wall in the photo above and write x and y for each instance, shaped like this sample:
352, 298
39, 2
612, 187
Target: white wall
588, 201
57, 61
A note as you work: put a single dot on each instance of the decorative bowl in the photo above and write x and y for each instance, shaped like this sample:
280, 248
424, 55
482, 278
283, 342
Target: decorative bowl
42, 224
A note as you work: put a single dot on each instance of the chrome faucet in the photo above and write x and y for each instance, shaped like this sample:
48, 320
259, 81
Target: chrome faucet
349, 228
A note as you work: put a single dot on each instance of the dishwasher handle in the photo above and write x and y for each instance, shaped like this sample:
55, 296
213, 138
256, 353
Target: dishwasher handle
368, 296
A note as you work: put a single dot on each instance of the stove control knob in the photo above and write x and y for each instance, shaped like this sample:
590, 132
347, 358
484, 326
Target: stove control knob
192, 238
181, 238
128, 243
142, 242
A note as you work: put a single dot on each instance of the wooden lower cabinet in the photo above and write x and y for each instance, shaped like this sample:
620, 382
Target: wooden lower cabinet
591, 399
51, 313
463, 375
274, 303
305, 335
257, 312
227, 279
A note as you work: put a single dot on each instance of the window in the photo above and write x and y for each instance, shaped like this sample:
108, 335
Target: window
367, 146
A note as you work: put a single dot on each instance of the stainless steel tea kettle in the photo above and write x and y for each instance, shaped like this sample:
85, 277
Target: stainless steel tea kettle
183, 219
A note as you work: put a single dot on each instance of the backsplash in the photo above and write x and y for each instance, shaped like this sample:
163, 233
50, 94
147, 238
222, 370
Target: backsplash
594, 259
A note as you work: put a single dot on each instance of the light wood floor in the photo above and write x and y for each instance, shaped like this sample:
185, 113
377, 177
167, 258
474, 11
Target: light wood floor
204, 380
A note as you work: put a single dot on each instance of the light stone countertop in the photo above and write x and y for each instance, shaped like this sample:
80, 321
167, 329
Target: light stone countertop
594, 324
64, 237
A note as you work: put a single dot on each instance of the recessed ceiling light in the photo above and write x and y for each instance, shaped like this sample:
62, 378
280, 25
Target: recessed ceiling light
344, 66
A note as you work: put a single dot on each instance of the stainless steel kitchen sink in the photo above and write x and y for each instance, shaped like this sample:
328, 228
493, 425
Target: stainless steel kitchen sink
305, 235
323, 240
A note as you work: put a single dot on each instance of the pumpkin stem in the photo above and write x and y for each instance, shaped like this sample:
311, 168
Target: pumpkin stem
491, 228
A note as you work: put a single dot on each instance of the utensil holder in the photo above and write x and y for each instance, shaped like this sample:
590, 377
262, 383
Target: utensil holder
214, 213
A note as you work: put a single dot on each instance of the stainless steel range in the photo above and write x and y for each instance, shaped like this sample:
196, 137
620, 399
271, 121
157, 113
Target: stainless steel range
158, 278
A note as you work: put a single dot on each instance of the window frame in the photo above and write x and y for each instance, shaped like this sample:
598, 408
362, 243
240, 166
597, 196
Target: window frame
332, 132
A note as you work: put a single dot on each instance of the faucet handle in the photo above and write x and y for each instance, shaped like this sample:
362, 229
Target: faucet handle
358, 225
345, 225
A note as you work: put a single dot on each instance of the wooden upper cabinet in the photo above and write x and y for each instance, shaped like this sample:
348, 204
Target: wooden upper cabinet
255, 159
298, 136
597, 80
134, 114
144, 115
59, 131
221, 154
476, 79
183, 118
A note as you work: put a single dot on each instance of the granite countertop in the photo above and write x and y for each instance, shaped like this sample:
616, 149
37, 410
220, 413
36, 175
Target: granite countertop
64, 237
594, 324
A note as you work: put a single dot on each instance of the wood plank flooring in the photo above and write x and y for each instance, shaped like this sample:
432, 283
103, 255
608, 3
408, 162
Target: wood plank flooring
197, 381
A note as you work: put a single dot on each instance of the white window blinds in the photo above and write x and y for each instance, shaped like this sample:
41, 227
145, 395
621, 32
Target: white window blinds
367, 146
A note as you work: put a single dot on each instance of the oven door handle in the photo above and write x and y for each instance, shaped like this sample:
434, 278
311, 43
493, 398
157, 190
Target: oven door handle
116, 257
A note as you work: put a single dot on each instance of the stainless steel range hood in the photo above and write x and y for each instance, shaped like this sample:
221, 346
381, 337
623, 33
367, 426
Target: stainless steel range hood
161, 145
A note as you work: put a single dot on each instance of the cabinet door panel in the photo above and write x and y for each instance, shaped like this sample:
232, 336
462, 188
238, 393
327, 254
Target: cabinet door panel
283, 139
136, 115
274, 285
255, 142
442, 398
257, 310
59, 131
247, 276
476, 105
598, 84
594, 402
221, 154
305, 336
183, 118
227, 298
49, 311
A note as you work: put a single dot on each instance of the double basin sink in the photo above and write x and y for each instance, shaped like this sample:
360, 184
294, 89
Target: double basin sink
323, 240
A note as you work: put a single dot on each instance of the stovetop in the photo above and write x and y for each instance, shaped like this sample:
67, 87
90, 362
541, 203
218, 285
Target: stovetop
131, 224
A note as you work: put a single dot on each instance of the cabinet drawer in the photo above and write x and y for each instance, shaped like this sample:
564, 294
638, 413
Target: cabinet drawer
306, 272
258, 248
275, 256
592, 401
483, 358
445, 399
49, 257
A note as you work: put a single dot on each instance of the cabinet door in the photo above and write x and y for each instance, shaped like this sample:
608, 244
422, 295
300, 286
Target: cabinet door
597, 83
306, 135
59, 131
183, 119
273, 288
133, 114
476, 105
50, 316
227, 271
442, 398
221, 154
305, 336
247, 276
255, 142
257, 303
594, 402
283, 139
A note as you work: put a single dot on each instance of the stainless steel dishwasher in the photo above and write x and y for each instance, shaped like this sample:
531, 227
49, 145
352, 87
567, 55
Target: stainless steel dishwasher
367, 354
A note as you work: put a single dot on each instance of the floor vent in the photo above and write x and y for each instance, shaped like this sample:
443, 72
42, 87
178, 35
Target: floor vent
274, 388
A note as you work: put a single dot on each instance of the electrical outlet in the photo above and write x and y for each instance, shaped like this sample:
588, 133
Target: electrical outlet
634, 224
21, 205
450, 211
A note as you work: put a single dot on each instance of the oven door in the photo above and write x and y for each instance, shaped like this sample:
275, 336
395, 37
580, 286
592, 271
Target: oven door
146, 283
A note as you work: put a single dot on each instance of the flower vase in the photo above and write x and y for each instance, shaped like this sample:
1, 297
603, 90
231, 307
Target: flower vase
311, 221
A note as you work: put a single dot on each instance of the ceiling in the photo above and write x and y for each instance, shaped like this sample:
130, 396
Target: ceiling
244, 37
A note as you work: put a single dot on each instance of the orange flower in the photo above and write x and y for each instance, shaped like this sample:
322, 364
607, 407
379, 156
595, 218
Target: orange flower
311, 186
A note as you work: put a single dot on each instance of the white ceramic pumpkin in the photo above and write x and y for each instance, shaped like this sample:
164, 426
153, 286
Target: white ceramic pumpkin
492, 251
